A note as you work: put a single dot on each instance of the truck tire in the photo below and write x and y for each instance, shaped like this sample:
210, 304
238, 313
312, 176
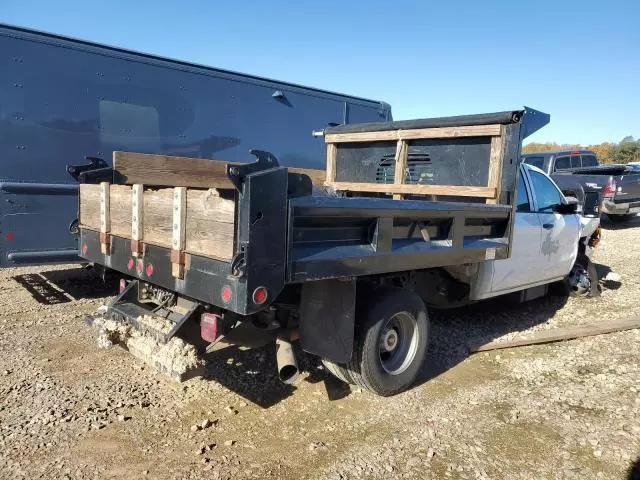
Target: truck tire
338, 370
619, 218
587, 286
390, 344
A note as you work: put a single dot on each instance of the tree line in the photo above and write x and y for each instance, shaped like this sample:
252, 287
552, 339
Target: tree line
625, 151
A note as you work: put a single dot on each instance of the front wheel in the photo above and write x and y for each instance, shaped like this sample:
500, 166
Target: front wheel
390, 343
583, 278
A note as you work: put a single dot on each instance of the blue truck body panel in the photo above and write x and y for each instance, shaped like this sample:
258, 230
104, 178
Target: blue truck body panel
63, 99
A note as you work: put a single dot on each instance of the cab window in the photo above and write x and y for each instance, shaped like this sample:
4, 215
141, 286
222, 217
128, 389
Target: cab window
563, 163
589, 161
535, 161
575, 161
547, 194
522, 204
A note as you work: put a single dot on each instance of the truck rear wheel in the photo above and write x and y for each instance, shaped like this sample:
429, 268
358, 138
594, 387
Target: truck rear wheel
390, 345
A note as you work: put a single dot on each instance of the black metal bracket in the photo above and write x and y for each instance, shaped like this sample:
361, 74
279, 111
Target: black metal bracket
95, 172
264, 161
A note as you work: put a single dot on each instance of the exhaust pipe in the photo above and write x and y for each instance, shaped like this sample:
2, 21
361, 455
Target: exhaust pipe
287, 364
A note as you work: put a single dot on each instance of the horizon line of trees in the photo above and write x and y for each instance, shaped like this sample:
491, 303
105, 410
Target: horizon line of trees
625, 151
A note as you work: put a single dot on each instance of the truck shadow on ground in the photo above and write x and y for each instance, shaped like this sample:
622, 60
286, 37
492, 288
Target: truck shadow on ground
252, 374
454, 333
62, 286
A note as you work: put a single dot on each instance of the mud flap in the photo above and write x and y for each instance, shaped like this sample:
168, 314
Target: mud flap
327, 318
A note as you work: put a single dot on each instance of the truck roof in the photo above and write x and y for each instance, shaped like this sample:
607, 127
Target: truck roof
548, 153
25, 32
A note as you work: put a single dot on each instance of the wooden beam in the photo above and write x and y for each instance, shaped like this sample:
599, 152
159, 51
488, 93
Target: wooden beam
453, 190
332, 158
402, 152
178, 239
172, 171
496, 155
562, 334
414, 134
137, 219
105, 218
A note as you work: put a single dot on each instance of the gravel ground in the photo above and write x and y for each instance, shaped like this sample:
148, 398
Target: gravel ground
566, 410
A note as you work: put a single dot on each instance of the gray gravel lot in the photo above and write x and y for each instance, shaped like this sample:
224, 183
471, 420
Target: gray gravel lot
566, 410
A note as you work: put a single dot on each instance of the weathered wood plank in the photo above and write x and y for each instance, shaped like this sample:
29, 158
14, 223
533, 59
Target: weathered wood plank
90, 206
402, 153
178, 232
455, 190
210, 224
561, 334
332, 158
158, 214
419, 133
495, 165
137, 218
173, 171
120, 210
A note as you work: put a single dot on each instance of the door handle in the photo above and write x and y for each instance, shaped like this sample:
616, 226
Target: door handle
548, 226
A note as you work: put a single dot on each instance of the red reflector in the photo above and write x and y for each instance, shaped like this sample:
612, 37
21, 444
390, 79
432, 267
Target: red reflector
226, 294
259, 295
123, 285
85, 248
130, 263
8, 236
139, 267
209, 327
149, 269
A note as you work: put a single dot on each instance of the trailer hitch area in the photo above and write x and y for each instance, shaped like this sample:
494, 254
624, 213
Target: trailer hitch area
264, 161
96, 171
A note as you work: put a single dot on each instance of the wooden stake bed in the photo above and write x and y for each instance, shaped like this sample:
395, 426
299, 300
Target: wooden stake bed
209, 219
403, 139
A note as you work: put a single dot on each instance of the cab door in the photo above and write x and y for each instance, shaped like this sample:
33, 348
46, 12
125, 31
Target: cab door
523, 267
560, 233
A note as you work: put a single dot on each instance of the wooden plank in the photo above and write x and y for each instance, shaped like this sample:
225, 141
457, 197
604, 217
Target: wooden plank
317, 176
105, 217
178, 232
414, 134
562, 334
210, 224
332, 158
120, 210
137, 218
495, 165
453, 190
158, 214
166, 170
90, 206
402, 152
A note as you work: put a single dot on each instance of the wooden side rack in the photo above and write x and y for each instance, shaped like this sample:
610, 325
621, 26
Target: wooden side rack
402, 138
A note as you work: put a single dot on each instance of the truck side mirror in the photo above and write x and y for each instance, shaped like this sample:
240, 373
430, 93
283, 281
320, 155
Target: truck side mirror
571, 206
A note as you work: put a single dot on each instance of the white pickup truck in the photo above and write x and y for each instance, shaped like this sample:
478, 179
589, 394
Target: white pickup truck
548, 245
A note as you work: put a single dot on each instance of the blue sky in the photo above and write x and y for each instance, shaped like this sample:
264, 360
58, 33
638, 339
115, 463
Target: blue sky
577, 60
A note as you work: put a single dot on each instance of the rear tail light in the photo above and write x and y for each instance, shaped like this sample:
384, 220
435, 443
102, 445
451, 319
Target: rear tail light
123, 285
130, 264
609, 189
259, 295
149, 270
226, 294
209, 327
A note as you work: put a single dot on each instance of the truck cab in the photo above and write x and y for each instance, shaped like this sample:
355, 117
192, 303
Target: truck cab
551, 242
